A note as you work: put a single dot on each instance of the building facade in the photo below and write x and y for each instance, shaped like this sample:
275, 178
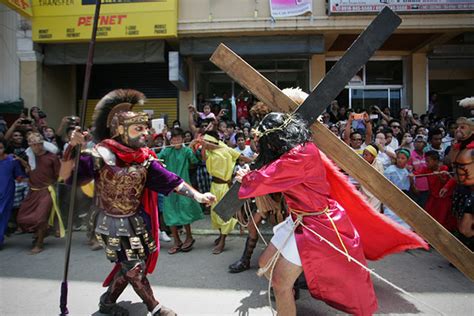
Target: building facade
431, 52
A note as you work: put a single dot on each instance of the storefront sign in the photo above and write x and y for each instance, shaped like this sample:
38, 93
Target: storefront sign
363, 6
71, 20
286, 8
23, 7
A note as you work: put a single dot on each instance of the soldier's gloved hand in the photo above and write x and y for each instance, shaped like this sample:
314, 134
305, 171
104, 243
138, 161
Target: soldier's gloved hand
77, 137
241, 173
206, 198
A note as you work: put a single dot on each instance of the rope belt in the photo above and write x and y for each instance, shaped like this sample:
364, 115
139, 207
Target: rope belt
54, 210
38, 189
302, 214
221, 181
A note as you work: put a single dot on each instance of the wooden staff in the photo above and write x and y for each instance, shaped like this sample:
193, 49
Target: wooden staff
432, 174
85, 91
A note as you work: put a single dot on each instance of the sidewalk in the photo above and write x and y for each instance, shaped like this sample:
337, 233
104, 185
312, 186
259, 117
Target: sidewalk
198, 283
204, 227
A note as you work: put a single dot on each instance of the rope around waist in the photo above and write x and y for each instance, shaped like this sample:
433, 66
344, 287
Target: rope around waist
301, 214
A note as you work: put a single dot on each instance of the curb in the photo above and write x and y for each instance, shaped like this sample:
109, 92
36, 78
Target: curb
232, 233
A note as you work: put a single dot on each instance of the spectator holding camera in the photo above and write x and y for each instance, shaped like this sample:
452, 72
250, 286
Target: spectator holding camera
23, 125
61, 133
355, 139
384, 114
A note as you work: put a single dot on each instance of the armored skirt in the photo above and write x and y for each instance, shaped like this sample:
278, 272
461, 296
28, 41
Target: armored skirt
124, 238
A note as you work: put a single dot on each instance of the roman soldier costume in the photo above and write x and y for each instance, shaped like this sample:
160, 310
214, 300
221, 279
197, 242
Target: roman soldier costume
127, 179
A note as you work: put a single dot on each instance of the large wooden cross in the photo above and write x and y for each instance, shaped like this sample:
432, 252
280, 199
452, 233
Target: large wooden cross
441, 239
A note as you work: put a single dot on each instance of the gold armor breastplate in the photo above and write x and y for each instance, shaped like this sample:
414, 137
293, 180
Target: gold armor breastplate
119, 189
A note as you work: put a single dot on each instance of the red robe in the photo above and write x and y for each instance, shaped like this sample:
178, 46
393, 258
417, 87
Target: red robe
310, 182
439, 208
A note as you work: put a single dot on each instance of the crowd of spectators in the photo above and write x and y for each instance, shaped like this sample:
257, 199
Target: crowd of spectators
37, 148
411, 150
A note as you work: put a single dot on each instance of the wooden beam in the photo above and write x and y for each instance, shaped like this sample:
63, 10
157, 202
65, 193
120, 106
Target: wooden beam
443, 241
329, 39
433, 41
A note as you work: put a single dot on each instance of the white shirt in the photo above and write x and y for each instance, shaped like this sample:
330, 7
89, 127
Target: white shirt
247, 152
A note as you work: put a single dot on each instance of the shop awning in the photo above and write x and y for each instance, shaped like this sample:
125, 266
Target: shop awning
255, 45
106, 53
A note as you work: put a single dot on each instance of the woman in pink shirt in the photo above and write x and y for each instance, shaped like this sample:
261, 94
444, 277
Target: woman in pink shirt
417, 162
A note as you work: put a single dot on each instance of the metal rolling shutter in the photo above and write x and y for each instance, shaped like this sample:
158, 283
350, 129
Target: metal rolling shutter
151, 79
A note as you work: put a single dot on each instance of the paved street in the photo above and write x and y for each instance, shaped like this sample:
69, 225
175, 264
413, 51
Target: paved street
197, 283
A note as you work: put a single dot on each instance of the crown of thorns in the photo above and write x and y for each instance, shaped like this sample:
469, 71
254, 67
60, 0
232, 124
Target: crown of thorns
263, 131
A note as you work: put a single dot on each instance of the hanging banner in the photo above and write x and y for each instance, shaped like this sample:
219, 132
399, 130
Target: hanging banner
411, 6
287, 8
71, 20
23, 7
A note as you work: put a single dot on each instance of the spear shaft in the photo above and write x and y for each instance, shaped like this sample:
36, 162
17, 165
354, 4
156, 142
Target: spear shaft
85, 91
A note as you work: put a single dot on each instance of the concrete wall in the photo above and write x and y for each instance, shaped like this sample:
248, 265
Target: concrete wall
31, 83
9, 62
317, 69
198, 17
419, 83
59, 92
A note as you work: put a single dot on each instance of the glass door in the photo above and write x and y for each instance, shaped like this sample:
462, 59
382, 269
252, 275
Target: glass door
364, 99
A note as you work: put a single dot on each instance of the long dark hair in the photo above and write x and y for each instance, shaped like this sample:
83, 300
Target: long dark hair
280, 133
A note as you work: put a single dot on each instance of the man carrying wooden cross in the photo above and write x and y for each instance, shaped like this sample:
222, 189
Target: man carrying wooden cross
289, 162
379, 236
